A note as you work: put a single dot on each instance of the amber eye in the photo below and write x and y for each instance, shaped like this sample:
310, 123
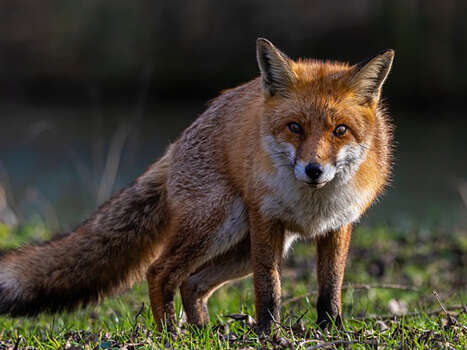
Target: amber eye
340, 130
295, 128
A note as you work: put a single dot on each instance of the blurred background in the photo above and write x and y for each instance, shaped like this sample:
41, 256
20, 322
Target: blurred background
92, 92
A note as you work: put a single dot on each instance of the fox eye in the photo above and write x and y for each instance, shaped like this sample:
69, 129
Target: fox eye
340, 130
295, 128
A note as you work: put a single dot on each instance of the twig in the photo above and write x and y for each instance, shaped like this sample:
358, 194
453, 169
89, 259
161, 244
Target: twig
380, 286
120, 139
140, 311
448, 310
300, 318
356, 287
112, 163
299, 297
435, 293
451, 320
305, 342
338, 342
16, 347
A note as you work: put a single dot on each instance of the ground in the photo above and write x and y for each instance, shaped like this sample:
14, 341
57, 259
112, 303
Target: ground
404, 289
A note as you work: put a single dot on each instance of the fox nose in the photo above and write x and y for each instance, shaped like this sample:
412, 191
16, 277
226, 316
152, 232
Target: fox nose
313, 171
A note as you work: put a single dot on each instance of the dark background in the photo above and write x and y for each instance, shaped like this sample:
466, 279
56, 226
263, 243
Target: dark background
91, 92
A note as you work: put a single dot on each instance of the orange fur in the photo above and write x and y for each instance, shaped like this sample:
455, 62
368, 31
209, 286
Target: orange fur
229, 197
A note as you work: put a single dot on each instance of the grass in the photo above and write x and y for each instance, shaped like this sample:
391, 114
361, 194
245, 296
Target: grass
388, 302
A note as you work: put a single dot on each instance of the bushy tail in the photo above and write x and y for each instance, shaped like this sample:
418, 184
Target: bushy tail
105, 254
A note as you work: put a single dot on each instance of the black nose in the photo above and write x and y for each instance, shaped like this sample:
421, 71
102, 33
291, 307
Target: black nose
313, 170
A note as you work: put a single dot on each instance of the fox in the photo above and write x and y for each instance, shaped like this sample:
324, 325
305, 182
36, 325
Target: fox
301, 151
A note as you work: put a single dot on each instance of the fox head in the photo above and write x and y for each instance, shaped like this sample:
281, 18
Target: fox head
320, 118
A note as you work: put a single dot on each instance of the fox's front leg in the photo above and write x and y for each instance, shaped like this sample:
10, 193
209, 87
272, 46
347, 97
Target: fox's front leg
332, 255
267, 240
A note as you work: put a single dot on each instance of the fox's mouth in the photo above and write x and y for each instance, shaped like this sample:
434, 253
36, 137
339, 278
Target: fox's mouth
317, 184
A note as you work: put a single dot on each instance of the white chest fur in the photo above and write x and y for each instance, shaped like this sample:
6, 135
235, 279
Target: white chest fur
311, 211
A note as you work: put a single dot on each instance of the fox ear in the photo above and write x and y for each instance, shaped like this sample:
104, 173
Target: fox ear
276, 71
369, 75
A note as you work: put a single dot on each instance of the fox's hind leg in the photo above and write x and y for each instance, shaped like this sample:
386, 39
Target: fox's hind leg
193, 238
196, 290
180, 258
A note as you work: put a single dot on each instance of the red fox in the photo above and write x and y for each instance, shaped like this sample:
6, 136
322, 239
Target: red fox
301, 151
